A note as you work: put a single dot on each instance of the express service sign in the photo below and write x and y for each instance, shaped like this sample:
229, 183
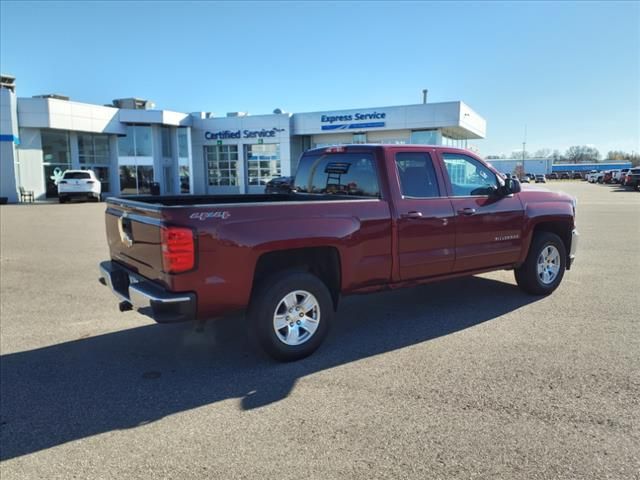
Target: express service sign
353, 121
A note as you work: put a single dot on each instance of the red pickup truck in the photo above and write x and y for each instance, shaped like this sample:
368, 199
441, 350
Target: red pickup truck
359, 218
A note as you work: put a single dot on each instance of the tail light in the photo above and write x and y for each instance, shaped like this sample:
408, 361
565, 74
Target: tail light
90, 181
178, 249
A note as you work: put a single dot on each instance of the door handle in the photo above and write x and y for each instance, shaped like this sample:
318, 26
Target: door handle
411, 215
467, 211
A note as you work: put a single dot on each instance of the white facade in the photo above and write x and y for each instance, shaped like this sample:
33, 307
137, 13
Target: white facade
141, 151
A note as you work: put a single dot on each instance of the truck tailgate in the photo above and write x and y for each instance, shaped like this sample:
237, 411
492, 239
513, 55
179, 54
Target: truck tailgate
135, 240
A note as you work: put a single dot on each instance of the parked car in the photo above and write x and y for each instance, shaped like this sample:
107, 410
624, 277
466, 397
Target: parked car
632, 178
524, 179
591, 176
79, 184
599, 178
576, 176
361, 218
551, 176
618, 177
540, 179
564, 176
279, 185
607, 177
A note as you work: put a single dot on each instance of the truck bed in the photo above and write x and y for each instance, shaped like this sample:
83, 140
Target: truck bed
150, 201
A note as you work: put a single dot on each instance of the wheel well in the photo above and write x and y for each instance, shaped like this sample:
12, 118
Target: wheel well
323, 262
562, 229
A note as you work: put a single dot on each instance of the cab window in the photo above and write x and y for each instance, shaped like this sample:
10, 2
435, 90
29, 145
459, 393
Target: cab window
468, 176
417, 175
352, 174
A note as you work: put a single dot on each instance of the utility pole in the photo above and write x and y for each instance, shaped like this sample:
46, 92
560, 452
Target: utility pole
524, 146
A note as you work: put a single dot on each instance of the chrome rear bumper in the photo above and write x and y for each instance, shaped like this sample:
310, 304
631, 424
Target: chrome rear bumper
140, 293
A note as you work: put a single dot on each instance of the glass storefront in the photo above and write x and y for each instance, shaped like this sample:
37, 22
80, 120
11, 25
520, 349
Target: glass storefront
426, 137
185, 183
183, 160
222, 165
263, 163
93, 151
136, 143
136, 179
136, 168
56, 158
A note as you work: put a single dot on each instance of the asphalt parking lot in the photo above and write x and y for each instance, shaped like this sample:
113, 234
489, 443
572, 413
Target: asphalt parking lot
464, 379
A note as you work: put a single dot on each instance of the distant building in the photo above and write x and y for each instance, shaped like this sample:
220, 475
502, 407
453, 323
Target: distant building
587, 167
544, 166
535, 166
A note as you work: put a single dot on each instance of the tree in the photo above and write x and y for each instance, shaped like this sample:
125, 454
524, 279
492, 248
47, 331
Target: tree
582, 154
557, 156
542, 153
519, 154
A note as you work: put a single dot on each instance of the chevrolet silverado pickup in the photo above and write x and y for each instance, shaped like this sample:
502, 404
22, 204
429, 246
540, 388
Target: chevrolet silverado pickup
359, 218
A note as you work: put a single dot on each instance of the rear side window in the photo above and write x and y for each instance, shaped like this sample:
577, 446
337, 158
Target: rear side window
76, 175
417, 175
352, 174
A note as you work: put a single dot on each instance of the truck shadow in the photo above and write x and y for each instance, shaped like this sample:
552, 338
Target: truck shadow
120, 380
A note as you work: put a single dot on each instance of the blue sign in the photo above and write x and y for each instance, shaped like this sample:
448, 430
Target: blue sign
352, 126
358, 117
233, 134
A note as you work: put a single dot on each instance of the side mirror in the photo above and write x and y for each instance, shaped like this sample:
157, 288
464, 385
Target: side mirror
511, 185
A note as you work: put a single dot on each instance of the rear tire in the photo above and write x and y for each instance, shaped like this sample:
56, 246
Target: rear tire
290, 314
544, 267
62, 200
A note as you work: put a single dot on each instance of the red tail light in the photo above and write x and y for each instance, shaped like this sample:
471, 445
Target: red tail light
178, 249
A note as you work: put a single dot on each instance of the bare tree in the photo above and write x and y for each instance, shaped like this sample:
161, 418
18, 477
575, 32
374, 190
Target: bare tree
582, 153
542, 153
519, 154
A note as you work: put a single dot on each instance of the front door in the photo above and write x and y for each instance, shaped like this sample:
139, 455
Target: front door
426, 228
488, 227
263, 164
222, 169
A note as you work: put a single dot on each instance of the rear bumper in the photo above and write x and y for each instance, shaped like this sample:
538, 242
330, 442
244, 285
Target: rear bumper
79, 194
137, 292
574, 246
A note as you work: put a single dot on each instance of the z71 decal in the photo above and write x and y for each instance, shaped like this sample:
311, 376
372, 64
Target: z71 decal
206, 215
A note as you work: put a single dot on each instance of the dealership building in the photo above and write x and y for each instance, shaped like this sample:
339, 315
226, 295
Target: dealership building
135, 149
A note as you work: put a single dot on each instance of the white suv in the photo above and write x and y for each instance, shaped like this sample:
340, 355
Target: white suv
79, 183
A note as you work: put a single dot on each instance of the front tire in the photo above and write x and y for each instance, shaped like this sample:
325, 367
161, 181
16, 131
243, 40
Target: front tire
290, 315
544, 267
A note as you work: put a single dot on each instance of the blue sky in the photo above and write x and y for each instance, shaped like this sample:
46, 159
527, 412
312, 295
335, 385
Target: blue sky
569, 71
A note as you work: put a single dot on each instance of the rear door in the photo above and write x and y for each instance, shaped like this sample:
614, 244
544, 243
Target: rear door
488, 227
426, 230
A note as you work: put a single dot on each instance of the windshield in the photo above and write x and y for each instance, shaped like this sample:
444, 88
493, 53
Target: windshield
76, 175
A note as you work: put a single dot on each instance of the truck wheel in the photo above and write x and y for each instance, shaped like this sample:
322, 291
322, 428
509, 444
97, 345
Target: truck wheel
542, 271
290, 315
